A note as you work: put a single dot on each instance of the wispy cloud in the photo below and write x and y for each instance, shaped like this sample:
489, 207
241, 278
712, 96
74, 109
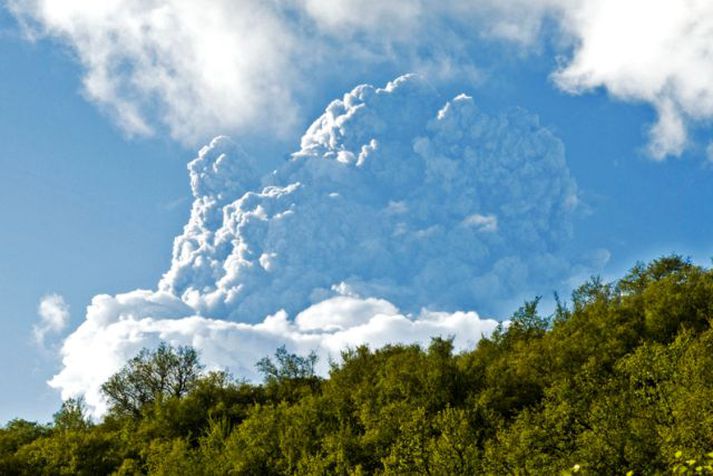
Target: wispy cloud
54, 317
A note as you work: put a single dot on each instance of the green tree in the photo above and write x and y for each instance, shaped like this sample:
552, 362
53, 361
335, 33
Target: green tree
72, 415
151, 377
290, 376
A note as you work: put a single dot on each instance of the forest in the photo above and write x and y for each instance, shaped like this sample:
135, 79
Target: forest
617, 380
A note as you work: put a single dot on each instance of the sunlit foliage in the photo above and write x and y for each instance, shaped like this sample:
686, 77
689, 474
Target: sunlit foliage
619, 379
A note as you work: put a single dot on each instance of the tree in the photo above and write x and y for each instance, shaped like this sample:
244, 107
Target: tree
152, 377
72, 415
527, 317
287, 366
290, 377
15, 435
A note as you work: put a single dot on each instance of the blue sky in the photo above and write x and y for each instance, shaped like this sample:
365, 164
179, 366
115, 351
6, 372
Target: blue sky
71, 170
91, 208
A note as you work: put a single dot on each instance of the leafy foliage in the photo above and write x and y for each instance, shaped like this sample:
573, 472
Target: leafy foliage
618, 381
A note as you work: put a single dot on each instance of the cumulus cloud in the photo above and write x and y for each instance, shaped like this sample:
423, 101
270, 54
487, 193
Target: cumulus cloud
398, 210
117, 327
394, 193
246, 66
54, 317
189, 66
652, 51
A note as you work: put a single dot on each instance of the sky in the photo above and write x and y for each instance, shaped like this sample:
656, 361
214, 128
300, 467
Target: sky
324, 174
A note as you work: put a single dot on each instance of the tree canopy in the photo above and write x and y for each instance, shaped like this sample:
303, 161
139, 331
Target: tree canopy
619, 379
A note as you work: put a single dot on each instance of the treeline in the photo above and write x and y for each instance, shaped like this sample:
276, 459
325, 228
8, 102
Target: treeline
619, 379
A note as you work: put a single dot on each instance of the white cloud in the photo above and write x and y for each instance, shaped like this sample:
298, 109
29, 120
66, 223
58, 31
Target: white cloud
118, 327
394, 195
645, 51
245, 67
192, 67
54, 317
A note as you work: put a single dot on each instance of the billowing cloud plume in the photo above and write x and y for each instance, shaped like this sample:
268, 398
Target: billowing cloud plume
196, 68
392, 194
54, 317
398, 210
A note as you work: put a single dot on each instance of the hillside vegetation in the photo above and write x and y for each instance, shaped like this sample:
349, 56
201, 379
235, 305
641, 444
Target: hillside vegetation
618, 379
